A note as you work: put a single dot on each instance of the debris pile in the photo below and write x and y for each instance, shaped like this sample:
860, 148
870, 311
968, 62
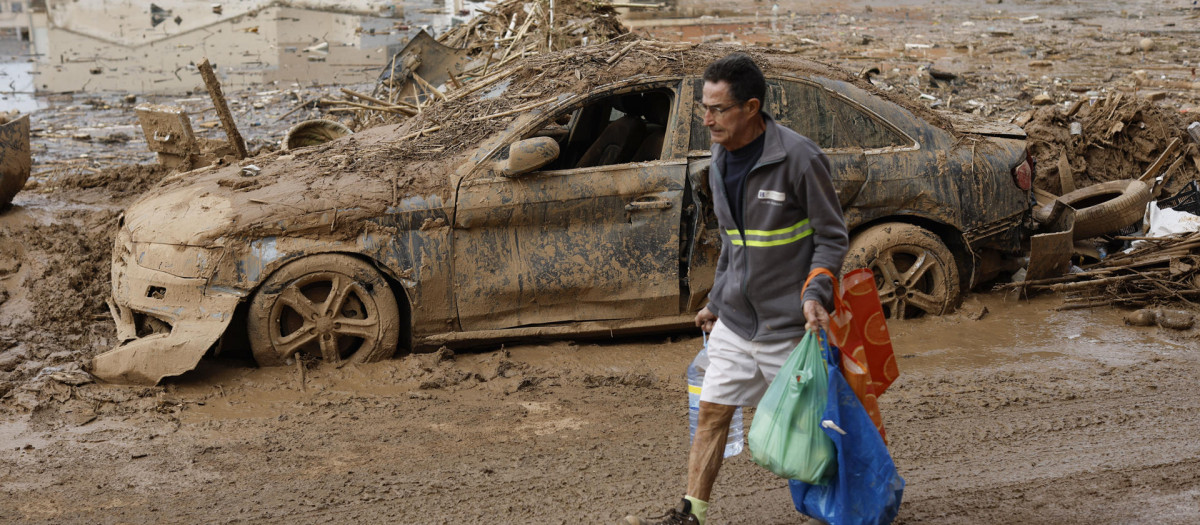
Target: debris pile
426, 71
1158, 270
453, 126
516, 25
1118, 137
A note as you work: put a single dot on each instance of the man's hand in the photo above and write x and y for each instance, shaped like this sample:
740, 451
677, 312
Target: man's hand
705, 320
814, 314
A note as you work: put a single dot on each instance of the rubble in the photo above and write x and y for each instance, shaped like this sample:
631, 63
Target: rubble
484, 45
1165, 269
1121, 137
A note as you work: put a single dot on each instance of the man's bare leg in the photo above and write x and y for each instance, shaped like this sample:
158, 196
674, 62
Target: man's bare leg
708, 448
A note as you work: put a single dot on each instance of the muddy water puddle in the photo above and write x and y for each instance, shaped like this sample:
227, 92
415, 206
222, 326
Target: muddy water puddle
1027, 332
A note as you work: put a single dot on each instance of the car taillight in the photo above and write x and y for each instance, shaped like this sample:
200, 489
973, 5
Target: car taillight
1023, 174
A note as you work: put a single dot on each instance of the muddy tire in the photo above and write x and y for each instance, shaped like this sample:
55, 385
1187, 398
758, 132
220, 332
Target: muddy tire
1105, 207
329, 306
915, 273
313, 132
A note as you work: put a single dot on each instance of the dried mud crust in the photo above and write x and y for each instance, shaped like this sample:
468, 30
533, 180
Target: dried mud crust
122, 181
62, 276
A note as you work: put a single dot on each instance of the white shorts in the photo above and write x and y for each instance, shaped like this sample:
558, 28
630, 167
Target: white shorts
739, 371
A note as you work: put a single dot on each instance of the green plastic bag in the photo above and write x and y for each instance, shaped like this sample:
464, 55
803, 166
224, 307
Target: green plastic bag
786, 436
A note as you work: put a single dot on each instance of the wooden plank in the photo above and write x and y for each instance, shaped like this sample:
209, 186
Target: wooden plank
218, 98
1167, 175
1066, 180
1152, 171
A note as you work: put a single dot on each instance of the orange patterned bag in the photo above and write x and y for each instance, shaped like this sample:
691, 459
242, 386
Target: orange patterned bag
858, 327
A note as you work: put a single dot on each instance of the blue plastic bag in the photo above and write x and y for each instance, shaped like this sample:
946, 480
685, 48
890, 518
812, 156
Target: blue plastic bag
866, 489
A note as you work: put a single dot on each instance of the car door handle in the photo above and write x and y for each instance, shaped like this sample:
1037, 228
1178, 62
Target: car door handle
648, 203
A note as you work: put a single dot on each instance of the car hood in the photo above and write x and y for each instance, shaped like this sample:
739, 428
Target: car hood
327, 190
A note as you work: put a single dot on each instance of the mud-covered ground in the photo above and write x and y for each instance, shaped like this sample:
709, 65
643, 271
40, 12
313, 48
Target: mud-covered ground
1026, 416
1006, 411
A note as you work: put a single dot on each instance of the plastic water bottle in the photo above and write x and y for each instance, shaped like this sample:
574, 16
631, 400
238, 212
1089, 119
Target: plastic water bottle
695, 372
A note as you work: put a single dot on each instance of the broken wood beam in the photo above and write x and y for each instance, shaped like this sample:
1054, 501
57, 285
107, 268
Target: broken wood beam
1052, 280
1074, 108
1066, 179
428, 87
386, 109
218, 98
617, 56
1080, 285
419, 133
1167, 175
529, 18
1091, 301
367, 98
303, 104
481, 83
515, 110
1152, 171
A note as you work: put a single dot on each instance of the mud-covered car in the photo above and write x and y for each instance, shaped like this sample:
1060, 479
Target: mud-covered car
562, 196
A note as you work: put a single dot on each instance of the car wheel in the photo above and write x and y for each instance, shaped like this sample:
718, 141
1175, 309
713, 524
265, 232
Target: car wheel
915, 273
331, 306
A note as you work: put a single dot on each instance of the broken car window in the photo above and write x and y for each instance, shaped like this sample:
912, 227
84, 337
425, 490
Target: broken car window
614, 129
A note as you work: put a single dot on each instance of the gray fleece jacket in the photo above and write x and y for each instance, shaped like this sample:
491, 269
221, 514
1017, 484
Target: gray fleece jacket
792, 223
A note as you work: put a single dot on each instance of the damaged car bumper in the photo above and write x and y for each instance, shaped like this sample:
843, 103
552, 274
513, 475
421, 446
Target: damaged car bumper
167, 317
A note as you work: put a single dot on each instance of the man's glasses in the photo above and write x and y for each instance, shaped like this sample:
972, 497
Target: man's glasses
718, 110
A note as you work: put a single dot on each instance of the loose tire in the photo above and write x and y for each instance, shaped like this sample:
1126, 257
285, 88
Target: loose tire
332, 306
1105, 207
313, 132
915, 273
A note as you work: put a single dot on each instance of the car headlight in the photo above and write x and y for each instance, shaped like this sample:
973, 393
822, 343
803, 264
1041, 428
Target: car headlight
188, 262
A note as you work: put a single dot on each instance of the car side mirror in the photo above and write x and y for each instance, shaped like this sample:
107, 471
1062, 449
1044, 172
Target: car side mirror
527, 155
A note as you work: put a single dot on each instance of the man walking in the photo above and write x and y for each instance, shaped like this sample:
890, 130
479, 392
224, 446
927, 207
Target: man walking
780, 218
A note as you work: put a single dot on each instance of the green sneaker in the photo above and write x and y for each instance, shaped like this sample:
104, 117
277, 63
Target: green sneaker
680, 515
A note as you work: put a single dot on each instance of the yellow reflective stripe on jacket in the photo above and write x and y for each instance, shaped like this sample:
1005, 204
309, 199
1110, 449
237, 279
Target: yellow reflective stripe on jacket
768, 233
777, 242
737, 240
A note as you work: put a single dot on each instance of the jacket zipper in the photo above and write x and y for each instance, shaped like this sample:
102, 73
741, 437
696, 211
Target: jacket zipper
745, 248
741, 225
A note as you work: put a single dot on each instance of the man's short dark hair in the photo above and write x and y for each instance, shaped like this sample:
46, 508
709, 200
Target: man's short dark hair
744, 77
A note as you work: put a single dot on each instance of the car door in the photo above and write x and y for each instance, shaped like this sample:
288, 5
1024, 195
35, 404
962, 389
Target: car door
568, 243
